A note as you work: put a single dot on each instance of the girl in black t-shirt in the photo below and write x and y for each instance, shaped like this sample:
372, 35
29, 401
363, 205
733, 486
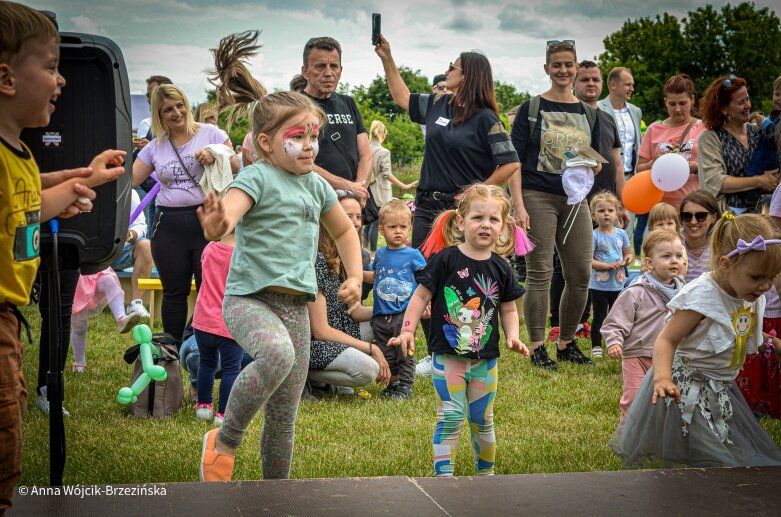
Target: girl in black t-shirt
469, 286
542, 139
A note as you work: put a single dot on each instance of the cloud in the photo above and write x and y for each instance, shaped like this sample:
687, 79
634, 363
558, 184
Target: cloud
87, 25
461, 22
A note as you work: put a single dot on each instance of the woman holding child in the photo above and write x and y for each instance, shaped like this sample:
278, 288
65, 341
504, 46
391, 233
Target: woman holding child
726, 149
178, 155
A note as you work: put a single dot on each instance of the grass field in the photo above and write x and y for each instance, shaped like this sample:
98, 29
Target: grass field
545, 422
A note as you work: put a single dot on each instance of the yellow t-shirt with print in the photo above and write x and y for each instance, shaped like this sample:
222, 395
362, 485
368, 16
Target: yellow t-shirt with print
20, 223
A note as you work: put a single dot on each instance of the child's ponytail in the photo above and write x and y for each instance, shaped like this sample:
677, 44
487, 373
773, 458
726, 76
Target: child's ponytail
444, 233
237, 90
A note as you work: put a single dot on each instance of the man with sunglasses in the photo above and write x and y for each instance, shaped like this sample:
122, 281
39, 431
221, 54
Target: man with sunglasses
621, 86
438, 84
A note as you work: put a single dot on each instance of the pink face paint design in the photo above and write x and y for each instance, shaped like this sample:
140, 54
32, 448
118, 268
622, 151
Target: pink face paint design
293, 146
406, 323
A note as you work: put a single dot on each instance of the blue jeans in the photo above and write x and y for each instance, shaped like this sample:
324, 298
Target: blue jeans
371, 233
217, 351
190, 358
641, 221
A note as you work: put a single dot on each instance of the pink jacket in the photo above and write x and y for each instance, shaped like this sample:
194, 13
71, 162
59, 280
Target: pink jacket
635, 320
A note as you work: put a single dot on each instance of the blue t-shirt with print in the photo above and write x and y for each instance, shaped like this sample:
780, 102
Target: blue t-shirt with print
608, 248
394, 278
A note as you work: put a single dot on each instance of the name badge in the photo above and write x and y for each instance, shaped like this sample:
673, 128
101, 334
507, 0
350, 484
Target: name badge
442, 121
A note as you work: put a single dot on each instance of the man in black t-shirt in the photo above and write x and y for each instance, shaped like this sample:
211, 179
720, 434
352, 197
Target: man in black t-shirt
345, 156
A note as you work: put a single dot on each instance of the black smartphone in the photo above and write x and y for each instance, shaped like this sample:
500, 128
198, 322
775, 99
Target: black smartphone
376, 20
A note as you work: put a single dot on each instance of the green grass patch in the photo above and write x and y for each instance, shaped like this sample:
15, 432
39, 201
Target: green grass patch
545, 422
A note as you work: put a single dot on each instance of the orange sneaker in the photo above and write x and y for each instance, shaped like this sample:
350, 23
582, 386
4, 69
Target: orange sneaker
214, 466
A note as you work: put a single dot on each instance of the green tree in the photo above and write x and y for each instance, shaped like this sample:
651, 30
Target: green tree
379, 98
508, 96
652, 49
238, 130
705, 44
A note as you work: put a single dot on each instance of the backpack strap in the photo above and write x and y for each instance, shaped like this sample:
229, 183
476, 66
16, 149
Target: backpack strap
533, 113
591, 115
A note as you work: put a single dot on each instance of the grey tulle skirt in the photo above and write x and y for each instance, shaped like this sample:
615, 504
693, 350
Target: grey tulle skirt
711, 427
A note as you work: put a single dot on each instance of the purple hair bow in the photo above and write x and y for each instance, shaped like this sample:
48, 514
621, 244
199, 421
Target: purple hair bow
758, 244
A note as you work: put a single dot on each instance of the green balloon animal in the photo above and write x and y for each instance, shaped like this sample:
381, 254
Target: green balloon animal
148, 351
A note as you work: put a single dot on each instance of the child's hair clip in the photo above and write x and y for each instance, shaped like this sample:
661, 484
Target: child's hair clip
728, 216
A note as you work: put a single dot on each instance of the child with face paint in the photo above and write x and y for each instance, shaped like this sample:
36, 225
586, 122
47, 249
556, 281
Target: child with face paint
276, 206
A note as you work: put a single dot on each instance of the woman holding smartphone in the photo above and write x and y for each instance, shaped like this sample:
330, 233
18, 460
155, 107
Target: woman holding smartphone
466, 142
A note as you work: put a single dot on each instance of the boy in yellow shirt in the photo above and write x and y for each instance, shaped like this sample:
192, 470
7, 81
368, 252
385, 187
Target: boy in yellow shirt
30, 84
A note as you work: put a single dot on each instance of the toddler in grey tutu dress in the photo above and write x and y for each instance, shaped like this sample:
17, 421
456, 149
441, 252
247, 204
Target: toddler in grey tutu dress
688, 410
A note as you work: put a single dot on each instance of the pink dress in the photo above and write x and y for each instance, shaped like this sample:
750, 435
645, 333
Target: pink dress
660, 139
91, 300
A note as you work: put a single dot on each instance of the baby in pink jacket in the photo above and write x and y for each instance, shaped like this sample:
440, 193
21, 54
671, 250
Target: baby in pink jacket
633, 324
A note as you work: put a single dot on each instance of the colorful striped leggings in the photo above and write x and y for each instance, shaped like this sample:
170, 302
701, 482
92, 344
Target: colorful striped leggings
274, 330
462, 384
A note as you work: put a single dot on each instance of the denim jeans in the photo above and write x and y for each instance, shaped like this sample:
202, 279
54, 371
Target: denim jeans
190, 359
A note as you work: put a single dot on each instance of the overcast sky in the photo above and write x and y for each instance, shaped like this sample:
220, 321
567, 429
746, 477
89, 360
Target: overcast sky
173, 38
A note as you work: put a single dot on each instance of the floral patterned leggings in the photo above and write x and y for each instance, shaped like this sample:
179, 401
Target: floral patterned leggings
464, 387
274, 330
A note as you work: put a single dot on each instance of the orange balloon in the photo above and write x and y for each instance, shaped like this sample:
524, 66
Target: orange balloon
640, 194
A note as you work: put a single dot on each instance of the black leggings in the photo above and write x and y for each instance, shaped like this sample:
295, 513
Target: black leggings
177, 244
603, 301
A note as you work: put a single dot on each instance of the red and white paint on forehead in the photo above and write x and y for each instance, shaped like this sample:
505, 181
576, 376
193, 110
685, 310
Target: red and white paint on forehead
294, 147
301, 130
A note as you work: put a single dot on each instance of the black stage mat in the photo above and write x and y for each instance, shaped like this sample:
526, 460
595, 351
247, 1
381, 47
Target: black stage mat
713, 492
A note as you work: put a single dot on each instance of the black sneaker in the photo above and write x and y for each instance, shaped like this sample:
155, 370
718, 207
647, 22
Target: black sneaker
541, 358
390, 390
573, 354
402, 392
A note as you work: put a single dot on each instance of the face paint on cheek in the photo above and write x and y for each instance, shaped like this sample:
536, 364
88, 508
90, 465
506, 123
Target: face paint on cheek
315, 148
292, 149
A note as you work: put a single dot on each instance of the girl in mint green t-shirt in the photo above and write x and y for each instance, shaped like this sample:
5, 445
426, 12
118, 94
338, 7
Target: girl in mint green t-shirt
276, 206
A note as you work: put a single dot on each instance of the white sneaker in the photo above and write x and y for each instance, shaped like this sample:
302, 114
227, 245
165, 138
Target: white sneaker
596, 352
219, 418
137, 306
127, 322
204, 411
424, 367
43, 404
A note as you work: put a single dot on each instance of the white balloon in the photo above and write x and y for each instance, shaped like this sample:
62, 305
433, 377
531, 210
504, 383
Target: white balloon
670, 172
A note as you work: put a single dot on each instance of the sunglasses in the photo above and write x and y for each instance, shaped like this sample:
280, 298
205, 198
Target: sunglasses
454, 67
727, 83
346, 194
557, 43
686, 217
440, 87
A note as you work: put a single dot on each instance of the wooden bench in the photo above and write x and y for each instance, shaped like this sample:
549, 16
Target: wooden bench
153, 285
